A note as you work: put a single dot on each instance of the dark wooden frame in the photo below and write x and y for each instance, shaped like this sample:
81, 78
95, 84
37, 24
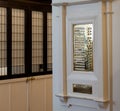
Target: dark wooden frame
28, 7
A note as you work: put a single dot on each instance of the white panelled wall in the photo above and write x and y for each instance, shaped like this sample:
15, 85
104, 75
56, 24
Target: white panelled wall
26, 94
112, 55
116, 55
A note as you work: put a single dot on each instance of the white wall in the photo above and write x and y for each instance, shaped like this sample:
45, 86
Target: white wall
56, 61
116, 55
57, 68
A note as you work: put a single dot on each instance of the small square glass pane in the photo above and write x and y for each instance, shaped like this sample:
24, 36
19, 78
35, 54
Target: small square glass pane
83, 47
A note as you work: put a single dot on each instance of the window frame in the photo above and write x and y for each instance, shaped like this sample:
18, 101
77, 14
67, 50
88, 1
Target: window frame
28, 7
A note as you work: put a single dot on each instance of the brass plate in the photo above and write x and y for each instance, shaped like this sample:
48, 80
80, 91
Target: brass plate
83, 47
82, 88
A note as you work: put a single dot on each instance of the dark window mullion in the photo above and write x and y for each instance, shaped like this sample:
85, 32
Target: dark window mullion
9, 42
28, 42
45, 41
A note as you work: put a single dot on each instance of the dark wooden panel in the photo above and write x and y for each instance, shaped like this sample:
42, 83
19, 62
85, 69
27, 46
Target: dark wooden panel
28, 1
44, 1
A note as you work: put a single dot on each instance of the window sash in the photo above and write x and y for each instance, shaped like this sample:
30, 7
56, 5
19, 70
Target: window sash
13, 38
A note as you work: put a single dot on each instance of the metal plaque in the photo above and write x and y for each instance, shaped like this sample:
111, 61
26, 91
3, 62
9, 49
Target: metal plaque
83, 47
81, 88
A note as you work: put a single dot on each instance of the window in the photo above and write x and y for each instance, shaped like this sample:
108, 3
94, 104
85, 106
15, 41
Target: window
49, 41
25, 41
18, 32
37, 41
3, 42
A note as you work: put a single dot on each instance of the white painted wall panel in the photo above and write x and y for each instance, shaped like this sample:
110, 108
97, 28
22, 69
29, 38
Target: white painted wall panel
40, 94
48, 93
36, 95
30, 95
19, 96
116, 55
57, 68
71, 1
4, 97
57, 83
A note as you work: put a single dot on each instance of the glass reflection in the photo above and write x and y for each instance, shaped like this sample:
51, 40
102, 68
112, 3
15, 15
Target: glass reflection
83, 47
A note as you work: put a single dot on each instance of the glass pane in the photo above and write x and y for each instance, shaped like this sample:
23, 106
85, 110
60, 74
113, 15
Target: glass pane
37, 41
18, 48
3, 42
83, 47
49, 42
